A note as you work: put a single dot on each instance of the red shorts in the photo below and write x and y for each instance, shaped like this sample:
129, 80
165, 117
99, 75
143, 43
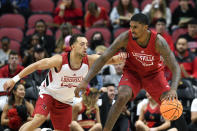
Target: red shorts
155, 84
60, 113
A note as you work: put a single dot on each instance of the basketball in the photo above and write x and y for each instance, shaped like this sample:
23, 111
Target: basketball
171, 109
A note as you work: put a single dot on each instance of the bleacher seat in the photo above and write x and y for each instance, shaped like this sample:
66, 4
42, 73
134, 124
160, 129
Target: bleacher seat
105, 31
33, 18
31, 31
42, 6
12, 33
119, 31
74, 30
78, 3
12, 20
102, 3
134, 3
176, 33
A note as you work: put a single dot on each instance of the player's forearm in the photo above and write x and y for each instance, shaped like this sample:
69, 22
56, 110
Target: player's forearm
164, 126
98, 64
175, 77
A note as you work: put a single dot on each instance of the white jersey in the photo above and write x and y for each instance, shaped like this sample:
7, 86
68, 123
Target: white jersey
61, 85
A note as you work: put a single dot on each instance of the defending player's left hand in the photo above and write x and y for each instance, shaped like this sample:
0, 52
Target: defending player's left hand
171, 95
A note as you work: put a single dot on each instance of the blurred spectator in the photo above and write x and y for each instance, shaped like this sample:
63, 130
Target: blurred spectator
18, 110
191, 36
186, 59
68, 12
46, 41
96, 16
150, 118
15, 6
89, 111
121, 14
105, 102
114, 78
12, 68
193, 125
66, 30
156, 10
96, 40
4, 51
160, 27
27, 49
184, 12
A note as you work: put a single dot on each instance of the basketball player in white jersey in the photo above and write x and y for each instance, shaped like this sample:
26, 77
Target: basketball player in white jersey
57, 90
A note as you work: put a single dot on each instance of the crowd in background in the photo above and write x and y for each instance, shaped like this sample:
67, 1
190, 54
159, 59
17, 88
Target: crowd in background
31, 30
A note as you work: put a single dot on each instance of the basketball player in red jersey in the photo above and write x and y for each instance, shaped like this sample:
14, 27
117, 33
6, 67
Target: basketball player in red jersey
143, 68
57, 90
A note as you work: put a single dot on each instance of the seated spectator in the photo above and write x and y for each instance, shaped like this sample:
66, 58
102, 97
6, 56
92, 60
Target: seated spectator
12, 68
96, 40
191, 36
18, 110
182, 14
28, 48
68, 12
161, 28
66, 30
115, 78
121, 14
15, 6
96, 16
4, 51
193, 125
47, 41
156, 10
106, 100
89, 111
186, 59
150, 118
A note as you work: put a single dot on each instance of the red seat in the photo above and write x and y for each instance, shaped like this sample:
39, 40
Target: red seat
31, 31
74, 30
14, 45
102, 3
144, 3
105, 31
134, 3
119, 31
12, 33
78, 3
42, 6
176, 33
32, 19
12, 20
175, 3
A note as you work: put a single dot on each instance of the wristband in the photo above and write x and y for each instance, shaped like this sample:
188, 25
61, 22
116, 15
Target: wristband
16, 78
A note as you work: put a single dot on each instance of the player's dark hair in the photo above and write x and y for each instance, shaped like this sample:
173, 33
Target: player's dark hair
141, 18
74, 38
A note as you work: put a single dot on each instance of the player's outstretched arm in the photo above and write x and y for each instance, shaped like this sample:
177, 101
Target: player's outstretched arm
169, 59
54, 61
120, 42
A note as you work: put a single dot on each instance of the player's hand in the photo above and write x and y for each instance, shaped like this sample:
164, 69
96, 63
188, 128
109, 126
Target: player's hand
171, 95
81, 87
8, 85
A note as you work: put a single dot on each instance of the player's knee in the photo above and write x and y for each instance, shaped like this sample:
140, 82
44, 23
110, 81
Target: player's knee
39, 119
73, 124
138, 124
98, 127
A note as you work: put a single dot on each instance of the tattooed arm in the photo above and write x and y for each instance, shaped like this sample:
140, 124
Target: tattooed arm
170, 61
120, 42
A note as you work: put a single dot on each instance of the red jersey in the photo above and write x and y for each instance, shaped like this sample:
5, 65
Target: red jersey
143, 61
5, 72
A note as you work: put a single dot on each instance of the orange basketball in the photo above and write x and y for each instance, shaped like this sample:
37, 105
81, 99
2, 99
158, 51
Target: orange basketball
171, 109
